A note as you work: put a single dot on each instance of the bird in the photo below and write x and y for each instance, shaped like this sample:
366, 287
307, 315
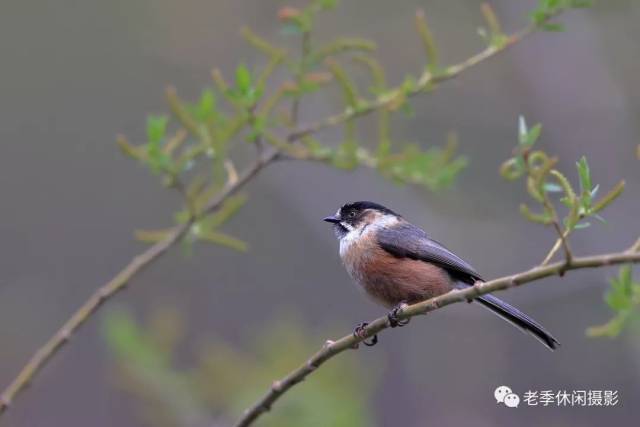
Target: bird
398, 264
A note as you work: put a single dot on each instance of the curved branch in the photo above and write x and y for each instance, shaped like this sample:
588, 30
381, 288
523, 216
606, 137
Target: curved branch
332, 348
424, 83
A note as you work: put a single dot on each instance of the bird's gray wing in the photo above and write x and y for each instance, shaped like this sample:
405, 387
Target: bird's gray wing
408, 241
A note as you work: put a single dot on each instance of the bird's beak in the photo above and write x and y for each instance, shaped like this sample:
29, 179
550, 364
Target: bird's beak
332, 219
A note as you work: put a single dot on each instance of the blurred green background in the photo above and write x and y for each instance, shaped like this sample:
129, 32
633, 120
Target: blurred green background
194, 339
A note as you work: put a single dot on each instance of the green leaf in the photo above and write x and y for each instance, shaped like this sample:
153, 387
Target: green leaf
533, 134
566, 201
156, 128
600, 218
128, 149
612, 328
619, 295
585, 181
538, 17
408, 84
206, 107
244, 93
125, 338
152, 236
512, 168
522, 130
608, 198
156, 158
229, 208
243, 79
527, 137
181, 217
582, 225
435, 168
541, 218
223, 239
551, 187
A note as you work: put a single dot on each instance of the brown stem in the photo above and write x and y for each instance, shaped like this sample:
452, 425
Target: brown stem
332, 348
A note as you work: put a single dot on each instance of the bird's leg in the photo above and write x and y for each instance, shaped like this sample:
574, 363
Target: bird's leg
358, 332
393, 316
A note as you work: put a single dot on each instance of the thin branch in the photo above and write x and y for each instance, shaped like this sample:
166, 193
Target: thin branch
118, 283
562, 236
425, 81
51, 347
304, 56
556, 246
332, 348
568, 256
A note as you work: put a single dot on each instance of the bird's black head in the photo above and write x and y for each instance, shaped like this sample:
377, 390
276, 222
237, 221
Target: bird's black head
353, 216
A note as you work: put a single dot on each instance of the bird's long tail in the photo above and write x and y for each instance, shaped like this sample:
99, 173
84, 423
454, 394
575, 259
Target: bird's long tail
519, 319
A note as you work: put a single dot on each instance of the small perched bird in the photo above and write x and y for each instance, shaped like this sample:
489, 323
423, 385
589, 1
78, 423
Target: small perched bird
396, 263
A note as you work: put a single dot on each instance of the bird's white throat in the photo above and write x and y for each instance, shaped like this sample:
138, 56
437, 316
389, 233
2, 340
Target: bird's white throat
355, 234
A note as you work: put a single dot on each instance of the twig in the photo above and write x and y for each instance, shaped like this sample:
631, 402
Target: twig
425, 81
562, 241
118, 283
333, 348
568, 256
305, 49
563, 235
556, 246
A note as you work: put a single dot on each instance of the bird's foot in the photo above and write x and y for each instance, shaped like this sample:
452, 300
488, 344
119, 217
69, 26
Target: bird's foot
393, 316
359, 332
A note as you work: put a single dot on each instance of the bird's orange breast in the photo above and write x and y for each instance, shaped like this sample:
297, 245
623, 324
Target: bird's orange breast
391, 280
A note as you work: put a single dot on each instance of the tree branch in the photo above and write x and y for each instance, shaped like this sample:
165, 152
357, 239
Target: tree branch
424, 83
332, 348
118, 283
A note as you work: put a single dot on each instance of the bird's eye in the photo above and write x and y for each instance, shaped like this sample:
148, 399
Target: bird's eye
352, 214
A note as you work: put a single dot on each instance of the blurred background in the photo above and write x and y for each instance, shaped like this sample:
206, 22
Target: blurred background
197, 337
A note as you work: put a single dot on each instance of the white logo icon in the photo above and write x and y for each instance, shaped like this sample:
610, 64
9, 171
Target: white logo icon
501, 392
512, 400
504, 394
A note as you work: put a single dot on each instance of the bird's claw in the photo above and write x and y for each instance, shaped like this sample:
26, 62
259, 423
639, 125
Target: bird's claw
393, 316
359, 332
